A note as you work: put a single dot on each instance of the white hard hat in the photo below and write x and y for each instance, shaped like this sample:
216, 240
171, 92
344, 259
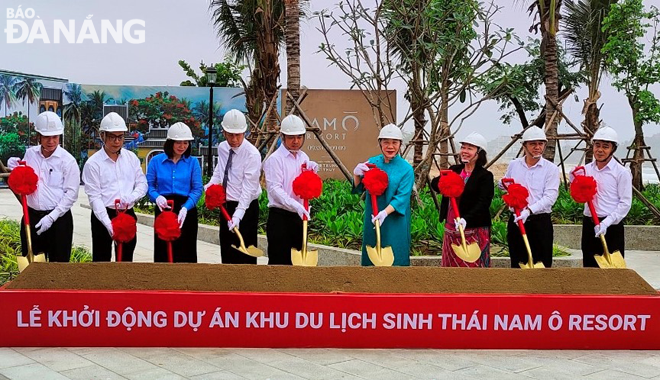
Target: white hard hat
49, 124
179, 132
234, 122
475, 139
293, 125
390, 131
606, 134
533, 134
112, 122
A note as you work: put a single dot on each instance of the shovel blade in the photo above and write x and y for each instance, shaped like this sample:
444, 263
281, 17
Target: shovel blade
310, 259
22, 262
296, 257
616, 259
530, 265
385, 259
469, 253
250, 251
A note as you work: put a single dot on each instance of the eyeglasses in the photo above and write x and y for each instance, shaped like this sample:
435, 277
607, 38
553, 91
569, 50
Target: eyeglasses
114, 137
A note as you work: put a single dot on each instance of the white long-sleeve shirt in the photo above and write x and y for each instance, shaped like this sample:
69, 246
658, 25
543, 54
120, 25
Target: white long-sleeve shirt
106, 180
59, 180
280, 169
243, 178
541, 180
613, 190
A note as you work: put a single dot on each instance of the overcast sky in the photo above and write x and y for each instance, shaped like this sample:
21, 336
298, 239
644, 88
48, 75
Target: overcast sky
177, 30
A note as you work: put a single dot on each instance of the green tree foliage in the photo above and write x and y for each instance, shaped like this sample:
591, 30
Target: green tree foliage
229, 74
163, 110
634, 67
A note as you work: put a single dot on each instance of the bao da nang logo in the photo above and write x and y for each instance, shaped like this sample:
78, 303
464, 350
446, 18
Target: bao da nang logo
25, 26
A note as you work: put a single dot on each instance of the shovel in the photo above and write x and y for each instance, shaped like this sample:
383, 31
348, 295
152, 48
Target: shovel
466, 252
251, 250
119, 245
24, 261
606, 260
530, 260
305, 258
379, 256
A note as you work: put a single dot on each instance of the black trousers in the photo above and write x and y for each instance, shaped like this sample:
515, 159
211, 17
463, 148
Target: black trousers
102, 241
55, 242
591, 245
284, 231
539, 231
184, 249
248, 228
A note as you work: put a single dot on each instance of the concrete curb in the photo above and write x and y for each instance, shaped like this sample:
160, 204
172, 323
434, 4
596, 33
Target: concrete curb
332, 256
640, 238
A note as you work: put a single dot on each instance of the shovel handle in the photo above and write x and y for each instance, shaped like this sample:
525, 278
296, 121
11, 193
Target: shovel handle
170, 204
306, 204
579, 168
374, 204
117, 203
225, 213
507, 181
521, 225
118, 252
170, 256
594, 216
454, 205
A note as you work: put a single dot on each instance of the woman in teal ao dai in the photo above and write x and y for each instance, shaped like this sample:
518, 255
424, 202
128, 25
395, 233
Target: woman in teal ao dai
394, 205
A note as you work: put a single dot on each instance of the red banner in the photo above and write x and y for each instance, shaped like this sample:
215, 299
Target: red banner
204, 319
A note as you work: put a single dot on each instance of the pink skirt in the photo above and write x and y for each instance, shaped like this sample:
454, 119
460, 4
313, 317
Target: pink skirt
480, 235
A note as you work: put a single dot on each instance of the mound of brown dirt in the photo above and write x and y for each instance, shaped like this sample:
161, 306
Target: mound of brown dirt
253, 278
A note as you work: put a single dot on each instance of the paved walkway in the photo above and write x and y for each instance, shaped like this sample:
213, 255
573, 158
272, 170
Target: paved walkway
230, 364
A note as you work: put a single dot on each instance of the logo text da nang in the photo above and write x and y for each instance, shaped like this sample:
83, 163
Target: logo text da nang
25, 26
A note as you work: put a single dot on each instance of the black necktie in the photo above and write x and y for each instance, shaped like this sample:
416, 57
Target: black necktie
227, 168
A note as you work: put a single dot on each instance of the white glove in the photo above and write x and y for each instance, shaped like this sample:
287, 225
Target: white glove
126, 201
108, 226
311, 165
300, 209
44, 224
206, 187
524, 214
182, 216
233, 223
460, 222
161, 202
500, 185
601, 229
12, 163
380, 217
360, 169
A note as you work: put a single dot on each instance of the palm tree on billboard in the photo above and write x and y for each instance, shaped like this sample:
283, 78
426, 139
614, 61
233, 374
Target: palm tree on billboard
7, 92
29, 89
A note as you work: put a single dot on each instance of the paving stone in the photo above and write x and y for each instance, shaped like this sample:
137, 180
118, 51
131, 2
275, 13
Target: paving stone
11, 358
92, 372
31, 372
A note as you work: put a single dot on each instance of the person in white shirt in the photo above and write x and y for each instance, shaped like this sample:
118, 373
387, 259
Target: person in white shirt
238, 170
612, 200
285, 209
541, 178
109, 174
49, 207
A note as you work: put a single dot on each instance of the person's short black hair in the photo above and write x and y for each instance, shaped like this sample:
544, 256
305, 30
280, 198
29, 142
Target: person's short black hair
482, 160
169, 149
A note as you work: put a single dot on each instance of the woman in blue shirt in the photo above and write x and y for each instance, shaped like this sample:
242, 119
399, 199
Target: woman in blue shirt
174, 175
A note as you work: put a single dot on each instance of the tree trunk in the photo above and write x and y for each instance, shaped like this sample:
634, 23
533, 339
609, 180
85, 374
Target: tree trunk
638, 154
417, 104
444, 127
551, 80
292, 35
591, 123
